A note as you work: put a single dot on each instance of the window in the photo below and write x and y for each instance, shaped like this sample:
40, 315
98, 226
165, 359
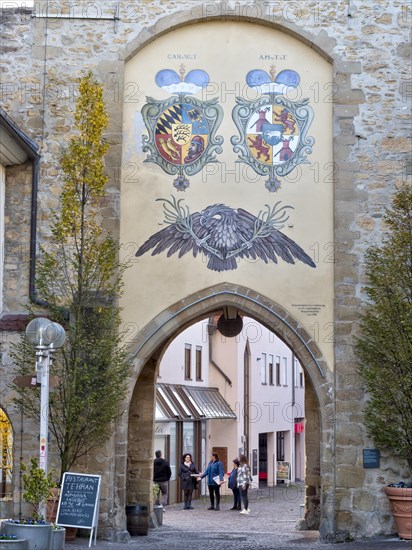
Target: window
271, 370
285, 371
277, 370
263, 369
301, 379
296, 372
198, 363
280, 446
6, 456
188, 362
189, 438
2, 183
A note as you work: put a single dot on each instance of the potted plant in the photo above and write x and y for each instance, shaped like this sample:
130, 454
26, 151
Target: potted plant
12, 542
384, 349
58, 537
35, 530
157, 507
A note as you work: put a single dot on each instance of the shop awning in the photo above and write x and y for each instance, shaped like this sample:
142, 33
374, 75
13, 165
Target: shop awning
176, 402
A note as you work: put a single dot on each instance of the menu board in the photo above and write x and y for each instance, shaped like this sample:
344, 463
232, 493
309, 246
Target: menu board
79, 498
283, 471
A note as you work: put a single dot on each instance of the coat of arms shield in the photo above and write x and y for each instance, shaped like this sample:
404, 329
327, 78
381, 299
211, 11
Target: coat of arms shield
182, 129
273, 129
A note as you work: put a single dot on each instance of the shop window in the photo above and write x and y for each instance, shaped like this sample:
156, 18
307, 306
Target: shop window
189, 438
6, 455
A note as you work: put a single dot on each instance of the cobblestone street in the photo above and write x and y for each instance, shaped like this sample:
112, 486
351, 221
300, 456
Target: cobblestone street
270, 525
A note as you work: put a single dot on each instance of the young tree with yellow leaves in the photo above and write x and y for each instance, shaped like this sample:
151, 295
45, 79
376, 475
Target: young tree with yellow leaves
80, 277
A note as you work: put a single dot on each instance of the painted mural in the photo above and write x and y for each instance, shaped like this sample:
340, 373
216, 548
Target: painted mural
224, 235
273, 129
203, 139
182, 129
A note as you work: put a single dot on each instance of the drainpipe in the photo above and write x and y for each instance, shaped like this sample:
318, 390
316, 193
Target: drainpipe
211, 329
33, 240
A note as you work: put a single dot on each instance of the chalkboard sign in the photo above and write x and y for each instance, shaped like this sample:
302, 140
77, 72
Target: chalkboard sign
371, 458
79, 498
283, 471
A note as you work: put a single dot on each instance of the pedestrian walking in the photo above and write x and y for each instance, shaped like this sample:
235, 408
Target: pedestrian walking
244, 480
161, 475
233, 485
187, 473
214, 473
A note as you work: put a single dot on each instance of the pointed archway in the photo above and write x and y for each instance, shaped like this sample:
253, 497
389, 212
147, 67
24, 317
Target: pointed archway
155, 337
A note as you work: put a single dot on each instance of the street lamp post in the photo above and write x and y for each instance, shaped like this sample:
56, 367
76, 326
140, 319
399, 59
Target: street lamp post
45, 336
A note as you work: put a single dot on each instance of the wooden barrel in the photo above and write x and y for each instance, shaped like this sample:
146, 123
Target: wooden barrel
137, 519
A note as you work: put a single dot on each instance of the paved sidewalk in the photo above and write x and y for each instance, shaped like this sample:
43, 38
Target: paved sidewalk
270, 526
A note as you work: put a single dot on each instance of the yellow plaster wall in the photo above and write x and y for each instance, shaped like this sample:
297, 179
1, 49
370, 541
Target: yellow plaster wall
228, 51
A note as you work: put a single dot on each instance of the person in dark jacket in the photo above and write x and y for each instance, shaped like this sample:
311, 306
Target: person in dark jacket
233, 485
214, 469
189, 480
161, 475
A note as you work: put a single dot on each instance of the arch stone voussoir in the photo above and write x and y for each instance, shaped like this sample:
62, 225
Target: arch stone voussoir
322, 43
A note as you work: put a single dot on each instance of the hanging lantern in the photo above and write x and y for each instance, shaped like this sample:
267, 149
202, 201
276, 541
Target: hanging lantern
230, 327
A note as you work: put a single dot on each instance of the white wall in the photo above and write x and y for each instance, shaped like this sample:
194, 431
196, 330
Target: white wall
274, 403
172, 369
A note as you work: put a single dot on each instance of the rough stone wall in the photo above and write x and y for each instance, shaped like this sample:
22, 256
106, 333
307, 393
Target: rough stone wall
17, 235
367, 43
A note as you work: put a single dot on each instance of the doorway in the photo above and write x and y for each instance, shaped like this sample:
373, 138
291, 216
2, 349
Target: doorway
142, 402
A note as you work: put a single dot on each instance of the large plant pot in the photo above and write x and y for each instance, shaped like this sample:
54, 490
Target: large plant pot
158, 512
401, 504
18, 544
58, 538
137, 519
71, 533
38, 536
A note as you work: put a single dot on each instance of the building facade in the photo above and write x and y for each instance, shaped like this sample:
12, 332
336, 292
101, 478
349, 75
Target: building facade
240, 395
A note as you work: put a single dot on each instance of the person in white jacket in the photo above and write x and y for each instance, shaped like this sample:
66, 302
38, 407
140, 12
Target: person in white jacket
243, 482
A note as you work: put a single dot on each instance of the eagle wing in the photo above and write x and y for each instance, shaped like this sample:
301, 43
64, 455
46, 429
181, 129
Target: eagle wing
271, 245
176, 239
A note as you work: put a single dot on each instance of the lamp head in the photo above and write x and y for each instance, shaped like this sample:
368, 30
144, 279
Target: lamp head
43, 333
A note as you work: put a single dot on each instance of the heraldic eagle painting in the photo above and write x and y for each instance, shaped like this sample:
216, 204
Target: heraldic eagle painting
182, 130
273, 129
225, 235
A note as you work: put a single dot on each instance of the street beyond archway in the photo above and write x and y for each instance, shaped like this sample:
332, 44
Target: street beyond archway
271, 525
